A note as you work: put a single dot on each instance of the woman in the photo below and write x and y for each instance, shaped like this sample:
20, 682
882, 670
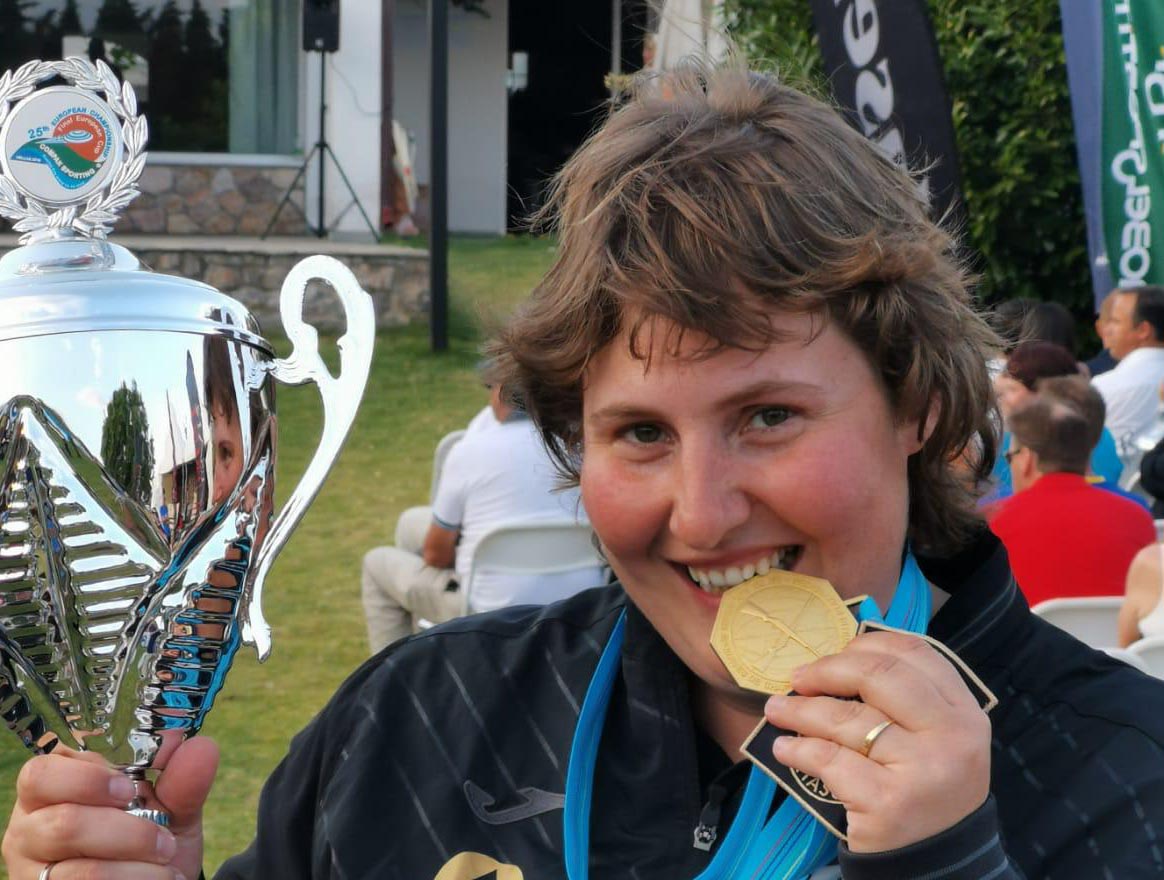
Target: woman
1142, 612
753, 351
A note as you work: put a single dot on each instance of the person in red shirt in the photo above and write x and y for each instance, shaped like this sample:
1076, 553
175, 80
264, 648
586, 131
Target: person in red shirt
1065, 536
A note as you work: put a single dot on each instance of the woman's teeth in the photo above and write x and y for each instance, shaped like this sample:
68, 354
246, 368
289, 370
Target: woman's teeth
715, 580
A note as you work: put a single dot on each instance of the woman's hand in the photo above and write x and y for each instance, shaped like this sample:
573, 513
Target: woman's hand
924, 773
70, 810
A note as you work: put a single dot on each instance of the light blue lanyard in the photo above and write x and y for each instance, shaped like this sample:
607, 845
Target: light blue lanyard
792, 844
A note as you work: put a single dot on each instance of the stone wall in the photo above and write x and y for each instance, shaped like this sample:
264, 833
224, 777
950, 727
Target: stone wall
253, 272
210, 199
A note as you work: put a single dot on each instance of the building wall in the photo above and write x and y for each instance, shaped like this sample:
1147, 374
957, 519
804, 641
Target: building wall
478, 60
215, 194
353, 121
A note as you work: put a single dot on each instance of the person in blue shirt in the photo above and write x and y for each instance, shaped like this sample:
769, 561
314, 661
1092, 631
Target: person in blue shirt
1025, 366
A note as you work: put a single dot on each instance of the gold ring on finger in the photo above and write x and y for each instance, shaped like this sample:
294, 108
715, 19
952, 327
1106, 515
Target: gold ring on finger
871, 737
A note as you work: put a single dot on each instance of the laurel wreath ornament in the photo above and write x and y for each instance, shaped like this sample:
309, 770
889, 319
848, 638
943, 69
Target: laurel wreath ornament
96, 218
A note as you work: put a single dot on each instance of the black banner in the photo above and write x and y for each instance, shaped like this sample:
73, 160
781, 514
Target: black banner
883, 65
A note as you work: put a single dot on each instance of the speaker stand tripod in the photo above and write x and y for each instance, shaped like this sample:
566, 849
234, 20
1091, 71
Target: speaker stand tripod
322, 151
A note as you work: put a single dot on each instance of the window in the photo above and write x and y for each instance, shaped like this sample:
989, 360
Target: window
210, 75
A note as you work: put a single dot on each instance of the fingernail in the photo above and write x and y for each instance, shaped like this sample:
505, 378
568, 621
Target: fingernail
775, 703
780, 744
121, 788
167, 845
178, 875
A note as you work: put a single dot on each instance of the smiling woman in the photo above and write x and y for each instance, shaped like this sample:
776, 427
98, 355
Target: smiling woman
753, 352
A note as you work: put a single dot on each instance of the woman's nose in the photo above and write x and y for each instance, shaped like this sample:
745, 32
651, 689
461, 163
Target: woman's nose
708, 500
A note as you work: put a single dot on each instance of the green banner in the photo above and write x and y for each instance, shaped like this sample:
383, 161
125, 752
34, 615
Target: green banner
1133, 140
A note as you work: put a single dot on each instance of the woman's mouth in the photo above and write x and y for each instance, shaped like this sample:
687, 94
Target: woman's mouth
717, 580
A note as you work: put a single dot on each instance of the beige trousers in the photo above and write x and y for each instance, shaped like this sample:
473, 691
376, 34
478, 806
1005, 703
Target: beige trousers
398, 589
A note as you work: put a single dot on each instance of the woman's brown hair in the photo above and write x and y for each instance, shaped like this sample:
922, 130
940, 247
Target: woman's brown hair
712, 198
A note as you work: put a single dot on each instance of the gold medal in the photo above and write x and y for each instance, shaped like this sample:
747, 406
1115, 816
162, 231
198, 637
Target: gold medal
771, 624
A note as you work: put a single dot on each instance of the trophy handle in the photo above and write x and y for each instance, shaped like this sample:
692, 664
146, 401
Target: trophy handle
341, 397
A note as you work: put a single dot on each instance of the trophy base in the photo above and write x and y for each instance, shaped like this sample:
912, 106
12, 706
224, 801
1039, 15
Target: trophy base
158, 817
137, 806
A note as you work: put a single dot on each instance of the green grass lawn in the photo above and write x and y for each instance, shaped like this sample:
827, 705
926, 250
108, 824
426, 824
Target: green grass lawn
312, 595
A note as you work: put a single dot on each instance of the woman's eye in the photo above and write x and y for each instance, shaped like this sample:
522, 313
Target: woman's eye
769, 417
645, 433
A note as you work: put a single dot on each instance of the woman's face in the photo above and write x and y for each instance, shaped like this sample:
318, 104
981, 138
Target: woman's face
1010, 393
226, 434
711, 469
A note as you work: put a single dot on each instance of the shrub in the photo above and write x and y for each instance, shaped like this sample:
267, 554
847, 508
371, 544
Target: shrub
1006, 77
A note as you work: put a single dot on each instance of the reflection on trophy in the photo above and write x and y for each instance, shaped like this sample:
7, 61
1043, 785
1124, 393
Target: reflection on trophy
137, 440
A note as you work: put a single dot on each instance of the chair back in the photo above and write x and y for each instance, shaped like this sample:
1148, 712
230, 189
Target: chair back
531, 547
1091, 619
1150, 652
439, 455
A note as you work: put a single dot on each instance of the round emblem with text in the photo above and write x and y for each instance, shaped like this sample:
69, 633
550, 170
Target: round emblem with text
70, 155
59, 145
813, 787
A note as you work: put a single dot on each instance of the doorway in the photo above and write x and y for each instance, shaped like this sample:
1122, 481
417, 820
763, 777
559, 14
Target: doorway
569, 49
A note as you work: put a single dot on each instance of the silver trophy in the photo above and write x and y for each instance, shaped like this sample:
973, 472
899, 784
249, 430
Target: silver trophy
137, 440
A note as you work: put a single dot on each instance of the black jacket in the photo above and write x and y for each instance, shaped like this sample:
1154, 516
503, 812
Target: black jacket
457, 740
1152, 477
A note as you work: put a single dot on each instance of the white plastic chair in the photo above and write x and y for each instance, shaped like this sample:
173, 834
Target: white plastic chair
439, 455
1159, 529
540, 546
1127, 655
1150, 652
1091, 619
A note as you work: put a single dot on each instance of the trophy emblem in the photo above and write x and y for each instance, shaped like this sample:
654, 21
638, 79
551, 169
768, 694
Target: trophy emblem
137, 440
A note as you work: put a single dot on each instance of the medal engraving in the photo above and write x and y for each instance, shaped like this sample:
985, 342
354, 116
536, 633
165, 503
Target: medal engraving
769, 625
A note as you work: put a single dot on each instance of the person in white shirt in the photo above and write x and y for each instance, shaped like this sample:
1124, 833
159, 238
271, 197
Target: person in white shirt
1131, 390
498, 472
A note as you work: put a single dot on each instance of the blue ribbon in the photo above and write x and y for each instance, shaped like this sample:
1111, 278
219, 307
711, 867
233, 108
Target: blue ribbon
788, 846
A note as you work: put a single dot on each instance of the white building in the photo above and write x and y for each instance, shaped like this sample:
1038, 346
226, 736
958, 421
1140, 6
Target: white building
234, 108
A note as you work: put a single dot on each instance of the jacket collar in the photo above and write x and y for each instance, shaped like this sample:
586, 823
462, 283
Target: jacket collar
985, 608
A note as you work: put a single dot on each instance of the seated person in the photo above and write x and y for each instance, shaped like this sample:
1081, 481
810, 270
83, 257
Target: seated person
1082, 395
1025, 366
1064, 536
1135, 337
498, 472
1152, 477
1142, 613
1103, 361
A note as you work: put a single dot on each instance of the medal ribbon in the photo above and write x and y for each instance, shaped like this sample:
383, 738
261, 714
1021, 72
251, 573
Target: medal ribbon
788, 846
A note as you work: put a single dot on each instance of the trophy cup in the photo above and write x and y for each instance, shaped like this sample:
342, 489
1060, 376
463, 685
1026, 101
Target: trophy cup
137, 441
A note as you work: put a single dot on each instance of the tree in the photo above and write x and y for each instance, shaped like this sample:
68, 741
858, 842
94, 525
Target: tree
46, 36
202, 55
207, 125
169, 78
15, 45
1006, 76
224, 33
125, 444
119, 20
70, 22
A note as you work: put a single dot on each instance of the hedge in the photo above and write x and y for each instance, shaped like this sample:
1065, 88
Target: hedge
1007, 80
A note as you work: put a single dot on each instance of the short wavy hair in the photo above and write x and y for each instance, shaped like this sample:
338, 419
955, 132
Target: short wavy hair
713, 197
